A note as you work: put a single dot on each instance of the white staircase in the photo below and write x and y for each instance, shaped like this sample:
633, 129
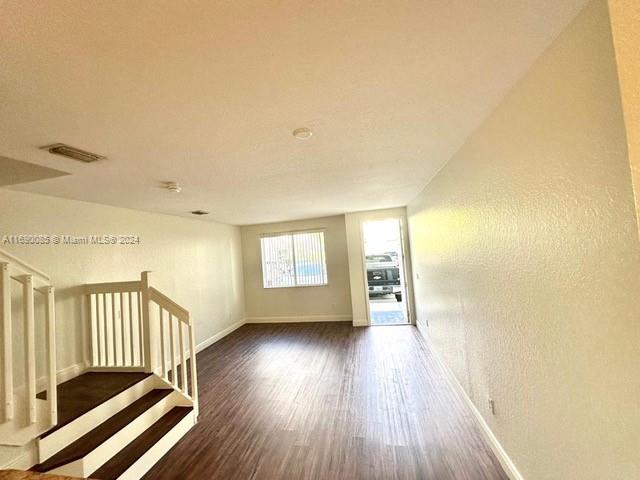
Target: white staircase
120, 438
136, 399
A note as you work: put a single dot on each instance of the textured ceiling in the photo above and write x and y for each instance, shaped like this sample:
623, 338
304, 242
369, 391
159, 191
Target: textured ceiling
13, 172
207, 94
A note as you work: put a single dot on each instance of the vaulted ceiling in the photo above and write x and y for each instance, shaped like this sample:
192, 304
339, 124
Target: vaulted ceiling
207, 94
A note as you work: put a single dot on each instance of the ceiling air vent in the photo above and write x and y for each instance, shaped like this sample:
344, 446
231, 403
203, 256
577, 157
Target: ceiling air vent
72, 152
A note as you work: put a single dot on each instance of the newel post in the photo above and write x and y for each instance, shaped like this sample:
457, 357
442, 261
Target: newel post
147, 328
51, 340
7, 352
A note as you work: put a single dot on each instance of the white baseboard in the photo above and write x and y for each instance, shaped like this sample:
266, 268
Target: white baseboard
361, 322
211, 340
63, 375
506, 462
23, 459
300, 318
70, 372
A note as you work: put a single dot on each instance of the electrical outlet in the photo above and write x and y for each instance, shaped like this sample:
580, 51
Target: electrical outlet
492, 405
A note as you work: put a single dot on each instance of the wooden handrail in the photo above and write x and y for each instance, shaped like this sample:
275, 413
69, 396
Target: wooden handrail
169, 305
24, 267
112, 287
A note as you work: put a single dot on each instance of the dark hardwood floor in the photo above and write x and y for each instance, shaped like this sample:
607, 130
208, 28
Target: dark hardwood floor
84, 392
327, 401
103, 432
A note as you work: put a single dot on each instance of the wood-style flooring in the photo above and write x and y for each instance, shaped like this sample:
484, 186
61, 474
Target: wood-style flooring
327, 401
103, 432
84, 392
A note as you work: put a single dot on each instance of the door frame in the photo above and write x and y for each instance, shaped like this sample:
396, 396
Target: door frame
406, 263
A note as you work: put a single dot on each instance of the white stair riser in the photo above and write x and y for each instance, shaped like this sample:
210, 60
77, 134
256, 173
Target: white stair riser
85, 466
155, 453
52, 444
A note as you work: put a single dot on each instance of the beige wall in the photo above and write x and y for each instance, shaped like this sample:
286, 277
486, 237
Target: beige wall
529, 264
196, 263
357, 277
329, 302
625, 25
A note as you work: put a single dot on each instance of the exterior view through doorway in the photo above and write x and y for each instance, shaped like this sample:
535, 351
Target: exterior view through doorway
385, 265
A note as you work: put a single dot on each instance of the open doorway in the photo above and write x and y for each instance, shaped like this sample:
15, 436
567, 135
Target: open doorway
386, 285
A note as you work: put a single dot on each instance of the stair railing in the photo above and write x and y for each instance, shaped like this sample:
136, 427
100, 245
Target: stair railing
31, 281
135, 327
175, 327
116, 329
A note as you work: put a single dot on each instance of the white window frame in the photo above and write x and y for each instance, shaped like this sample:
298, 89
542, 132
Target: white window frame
291, 234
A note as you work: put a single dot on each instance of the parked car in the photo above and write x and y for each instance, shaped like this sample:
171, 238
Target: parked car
383, 276
394, 256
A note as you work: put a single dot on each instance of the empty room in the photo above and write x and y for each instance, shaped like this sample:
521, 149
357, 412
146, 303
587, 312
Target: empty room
321, 240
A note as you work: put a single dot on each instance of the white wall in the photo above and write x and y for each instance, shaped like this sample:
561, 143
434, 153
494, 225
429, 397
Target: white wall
357, 274
529, 264
196, 263
625, 25
321, 303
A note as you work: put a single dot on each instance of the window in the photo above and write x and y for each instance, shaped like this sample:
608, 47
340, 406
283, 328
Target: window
293, 260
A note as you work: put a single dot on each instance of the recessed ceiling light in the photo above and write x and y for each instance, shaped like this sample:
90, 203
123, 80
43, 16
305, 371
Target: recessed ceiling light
200, 212
173, 187
302, 133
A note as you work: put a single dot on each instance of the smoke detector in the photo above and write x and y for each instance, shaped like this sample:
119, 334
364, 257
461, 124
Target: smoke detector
173, 187
302, 133
73, 153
